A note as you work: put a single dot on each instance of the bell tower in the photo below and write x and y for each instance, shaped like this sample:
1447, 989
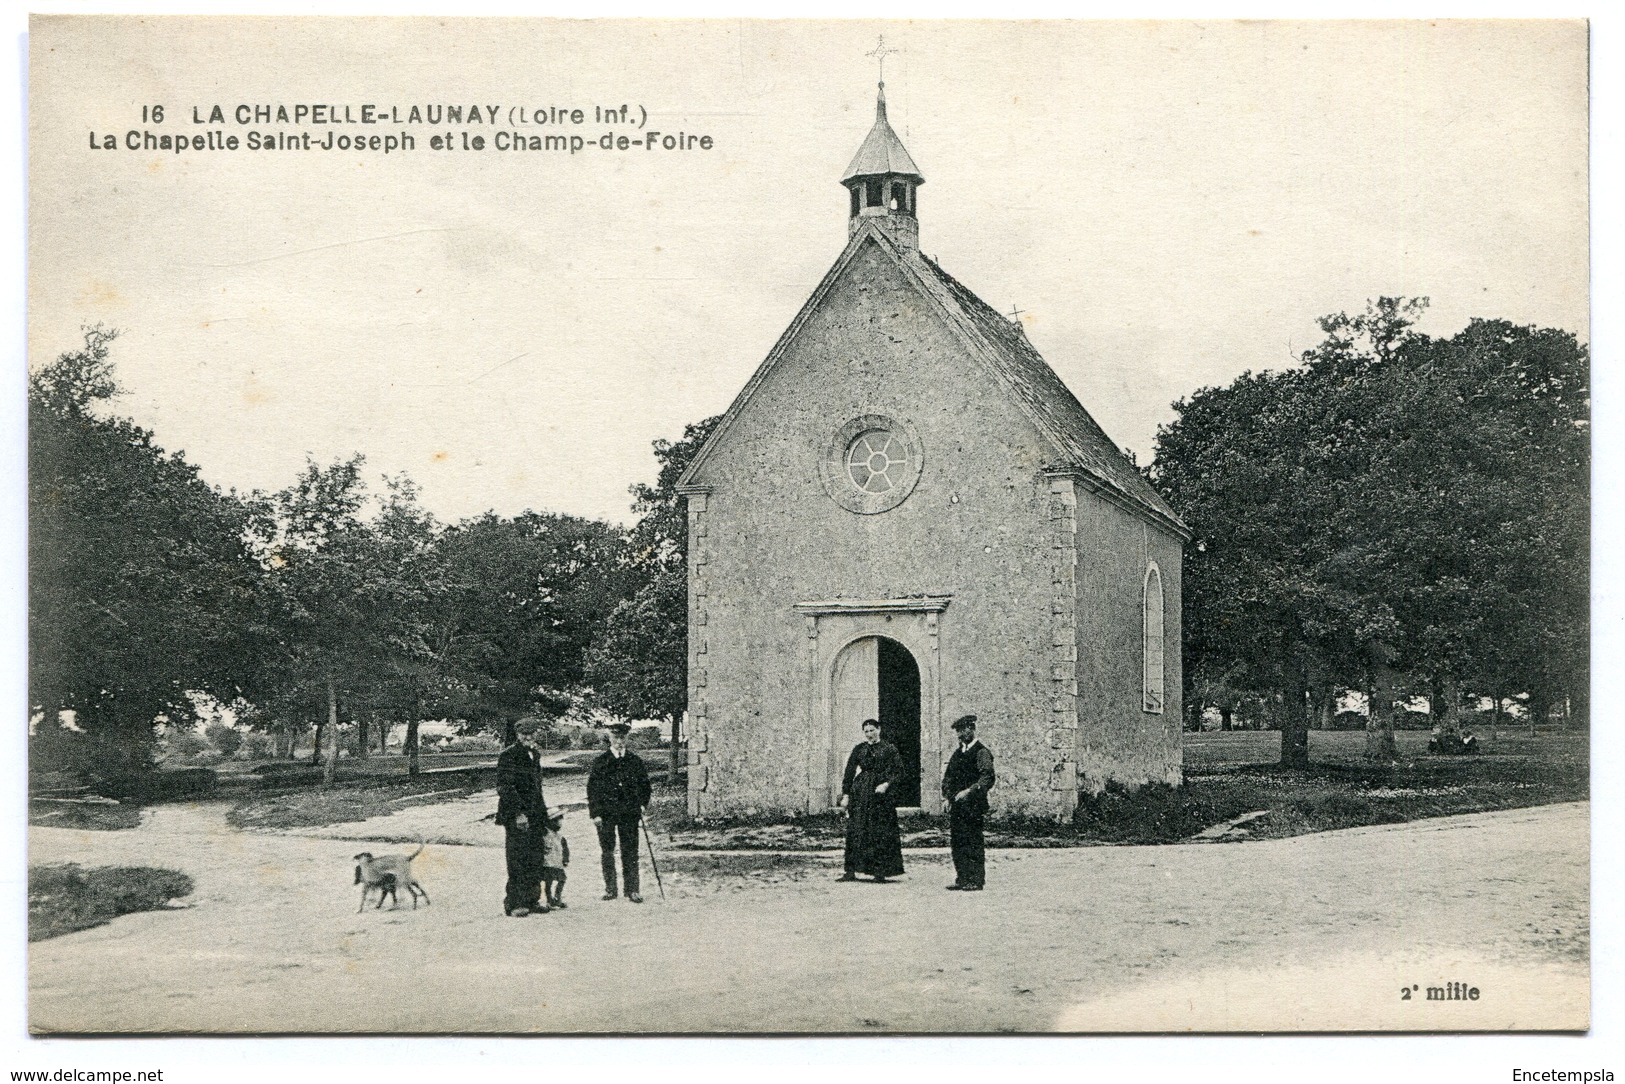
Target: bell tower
884, 182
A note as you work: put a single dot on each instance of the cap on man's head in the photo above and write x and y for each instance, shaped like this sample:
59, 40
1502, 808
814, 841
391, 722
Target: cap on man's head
963, 721
527, 725
619, 728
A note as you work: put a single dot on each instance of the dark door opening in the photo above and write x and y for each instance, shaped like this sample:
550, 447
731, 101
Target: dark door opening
900, 714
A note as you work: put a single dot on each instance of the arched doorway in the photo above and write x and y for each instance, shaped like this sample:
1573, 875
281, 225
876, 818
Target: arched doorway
877, 678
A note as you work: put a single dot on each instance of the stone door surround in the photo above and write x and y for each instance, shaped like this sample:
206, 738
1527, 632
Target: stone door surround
831, 626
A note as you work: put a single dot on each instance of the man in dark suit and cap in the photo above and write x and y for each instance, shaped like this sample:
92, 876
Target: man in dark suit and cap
522, 812
617, 792
965, 784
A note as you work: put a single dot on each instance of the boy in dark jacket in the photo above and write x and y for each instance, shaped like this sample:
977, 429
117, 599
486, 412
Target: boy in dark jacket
617, 792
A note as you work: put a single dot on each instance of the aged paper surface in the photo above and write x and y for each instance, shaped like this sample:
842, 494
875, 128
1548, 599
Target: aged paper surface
503, 256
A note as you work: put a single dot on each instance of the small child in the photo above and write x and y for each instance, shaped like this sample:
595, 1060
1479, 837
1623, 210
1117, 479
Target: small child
555, 856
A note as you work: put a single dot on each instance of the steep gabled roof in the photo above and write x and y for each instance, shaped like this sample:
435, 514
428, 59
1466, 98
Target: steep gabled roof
1082, 443
1079, 444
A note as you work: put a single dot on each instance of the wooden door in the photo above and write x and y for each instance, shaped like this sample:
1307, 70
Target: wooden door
857, 697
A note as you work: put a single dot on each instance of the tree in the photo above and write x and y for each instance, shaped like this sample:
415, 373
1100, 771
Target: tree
660, 539
337, 591
521, 602
403, 673
1254, 611
142, 587
638, 667
1396, 502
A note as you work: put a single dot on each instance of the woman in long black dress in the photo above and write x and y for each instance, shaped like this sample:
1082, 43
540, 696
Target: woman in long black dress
874, 845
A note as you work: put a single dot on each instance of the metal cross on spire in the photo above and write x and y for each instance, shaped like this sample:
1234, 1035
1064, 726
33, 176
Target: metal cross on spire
880, 52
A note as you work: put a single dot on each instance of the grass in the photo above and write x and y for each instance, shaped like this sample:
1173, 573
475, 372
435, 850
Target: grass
85, 816
65, 898
1228, 776
296, 798
301, 804
290, 794
736, 871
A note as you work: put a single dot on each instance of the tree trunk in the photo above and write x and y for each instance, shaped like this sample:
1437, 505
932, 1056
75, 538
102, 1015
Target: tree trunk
1379, 723
1294, 725
1225, 716
362, 737
316, 743
1580, 704
1323, 699
411, 746
1448, 714
331, 768
1495, 715
676, 745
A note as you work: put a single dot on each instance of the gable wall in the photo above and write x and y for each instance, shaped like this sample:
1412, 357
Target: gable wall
773, 538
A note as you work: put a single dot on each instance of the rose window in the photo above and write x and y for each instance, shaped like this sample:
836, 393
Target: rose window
877, 461
871, 464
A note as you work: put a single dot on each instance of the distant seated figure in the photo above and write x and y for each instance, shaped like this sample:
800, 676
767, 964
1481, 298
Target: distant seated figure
1452, 744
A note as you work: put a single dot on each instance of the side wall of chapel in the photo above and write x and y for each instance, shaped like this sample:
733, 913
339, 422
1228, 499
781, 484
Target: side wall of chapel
1117, 738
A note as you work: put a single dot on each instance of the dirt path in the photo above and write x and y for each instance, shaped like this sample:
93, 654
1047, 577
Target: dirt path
1315, 932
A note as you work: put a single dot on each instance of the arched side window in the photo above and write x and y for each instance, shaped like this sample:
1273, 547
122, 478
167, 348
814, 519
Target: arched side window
1151, 625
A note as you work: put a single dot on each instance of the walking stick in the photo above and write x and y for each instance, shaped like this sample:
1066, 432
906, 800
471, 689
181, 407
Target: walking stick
652, 862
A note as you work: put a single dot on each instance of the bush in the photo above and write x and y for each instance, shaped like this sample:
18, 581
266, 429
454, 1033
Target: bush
224, 738
185, 744
288, 773
65, 898
1348, 720
570, 736
177, 784
644, 737
1405, 719
473, 743
1153, 812
279, 767
260, 746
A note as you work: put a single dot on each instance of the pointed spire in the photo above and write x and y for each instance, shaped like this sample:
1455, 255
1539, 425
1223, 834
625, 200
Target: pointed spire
882, 152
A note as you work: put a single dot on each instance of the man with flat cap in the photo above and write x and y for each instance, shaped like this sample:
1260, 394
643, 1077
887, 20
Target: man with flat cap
522, 812
617, 792
965, 784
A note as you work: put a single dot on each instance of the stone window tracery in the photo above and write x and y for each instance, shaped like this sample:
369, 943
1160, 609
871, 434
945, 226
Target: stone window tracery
872, 464
876, 461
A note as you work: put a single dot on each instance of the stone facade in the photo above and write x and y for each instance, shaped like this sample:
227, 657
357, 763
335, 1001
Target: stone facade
905, 468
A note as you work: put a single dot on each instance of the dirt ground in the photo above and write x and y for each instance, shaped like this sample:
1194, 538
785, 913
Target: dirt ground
1321, 932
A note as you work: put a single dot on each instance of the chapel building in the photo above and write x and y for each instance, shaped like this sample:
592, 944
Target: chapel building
906, 515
